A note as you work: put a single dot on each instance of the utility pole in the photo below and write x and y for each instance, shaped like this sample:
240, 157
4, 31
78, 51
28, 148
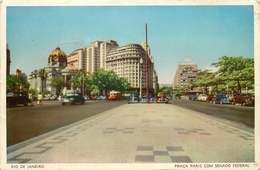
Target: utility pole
147, 64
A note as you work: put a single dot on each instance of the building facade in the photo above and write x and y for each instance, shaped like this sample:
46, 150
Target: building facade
93, 57
96, 54
184, 76
132, 62
105, 48
40, 80
57, 58
129, 62
77, 60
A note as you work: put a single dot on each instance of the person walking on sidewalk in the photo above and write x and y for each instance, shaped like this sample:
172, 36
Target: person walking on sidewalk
39, 98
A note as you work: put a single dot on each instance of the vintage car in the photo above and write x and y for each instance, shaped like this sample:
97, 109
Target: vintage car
244, 99
73, 99
13, 99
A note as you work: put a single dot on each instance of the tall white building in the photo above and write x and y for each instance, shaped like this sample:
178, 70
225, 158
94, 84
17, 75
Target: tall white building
93, 57
96, 54
125, 62
105, 47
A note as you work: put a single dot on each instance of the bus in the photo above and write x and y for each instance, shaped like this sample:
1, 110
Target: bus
114, 95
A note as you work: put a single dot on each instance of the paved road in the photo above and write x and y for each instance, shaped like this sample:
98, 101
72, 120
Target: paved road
239, 116
27, 122
140, 133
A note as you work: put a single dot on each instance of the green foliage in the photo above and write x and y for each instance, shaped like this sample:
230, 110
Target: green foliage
108, 80
58, 83
166, 90
33, 92
16, 83
81, 79
237, 70
43, 76
94, 91
233, 74
204, 79
122, 84
10, 82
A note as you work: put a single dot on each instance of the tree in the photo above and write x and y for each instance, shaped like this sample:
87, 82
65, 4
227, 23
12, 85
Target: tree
236, 69
16, 84
11, 83
94, 91
204, 79
121, 84
81, 80
58, 83
43, 76
166, 90
106, 81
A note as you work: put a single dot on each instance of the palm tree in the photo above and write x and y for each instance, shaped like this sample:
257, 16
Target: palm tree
43, 76
80, 79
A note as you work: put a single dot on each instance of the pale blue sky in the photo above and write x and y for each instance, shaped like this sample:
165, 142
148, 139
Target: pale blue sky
200, 33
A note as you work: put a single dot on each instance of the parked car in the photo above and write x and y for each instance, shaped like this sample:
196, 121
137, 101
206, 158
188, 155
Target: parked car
15, 99
202, 97
53, 97
47, 97
60, 98
244, 99
86, 98
101, 98
161, 98
152, 99
193, 97
220, 99
144, 99
210, 98
73, 99
93, 97
133, 98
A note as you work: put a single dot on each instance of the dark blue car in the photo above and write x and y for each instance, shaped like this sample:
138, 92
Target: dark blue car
133, 98
220, 99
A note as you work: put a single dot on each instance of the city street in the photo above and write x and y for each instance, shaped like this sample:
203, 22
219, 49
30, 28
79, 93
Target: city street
235, 115
134, 133
27, 122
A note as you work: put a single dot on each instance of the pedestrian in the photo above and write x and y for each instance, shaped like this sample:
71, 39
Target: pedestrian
39, 98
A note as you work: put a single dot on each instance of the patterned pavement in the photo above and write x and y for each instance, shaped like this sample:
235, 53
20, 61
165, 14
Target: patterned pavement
146, 133
161, 154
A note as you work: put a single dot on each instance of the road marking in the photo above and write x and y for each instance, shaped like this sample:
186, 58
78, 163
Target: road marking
118, 130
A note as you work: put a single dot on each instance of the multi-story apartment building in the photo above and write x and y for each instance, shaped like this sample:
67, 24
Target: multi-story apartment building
93, 57
105, 47
77, 60
132, 62
184, 75
96, 54
129, 62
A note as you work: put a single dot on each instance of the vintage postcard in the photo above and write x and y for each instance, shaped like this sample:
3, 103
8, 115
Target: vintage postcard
130, 85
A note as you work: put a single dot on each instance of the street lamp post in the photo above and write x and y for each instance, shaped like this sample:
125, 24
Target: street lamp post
140, 78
